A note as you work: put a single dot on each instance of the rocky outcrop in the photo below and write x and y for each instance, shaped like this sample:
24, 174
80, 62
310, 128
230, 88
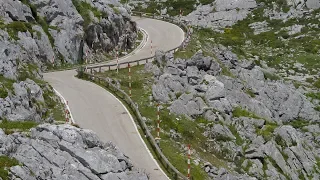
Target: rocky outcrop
199, 77
247, 111
43, 32
65, 152
221, 13
25, 101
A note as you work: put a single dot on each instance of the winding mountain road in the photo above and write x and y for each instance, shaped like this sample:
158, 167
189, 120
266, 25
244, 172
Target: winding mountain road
95, 108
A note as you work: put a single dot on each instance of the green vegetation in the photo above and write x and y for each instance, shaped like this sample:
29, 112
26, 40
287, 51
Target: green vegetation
239, 112
3, 93
6, 85
17, 26
187, 6
5, 163
234, 131
280, 141
16, 126
250, 93
317, 83
270, 76
267, 131
43, 22
314, 95
274, 164
247, 168
84, 10
298, 123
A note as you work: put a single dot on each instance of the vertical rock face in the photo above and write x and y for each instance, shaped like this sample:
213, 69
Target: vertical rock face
65, 152
44, 31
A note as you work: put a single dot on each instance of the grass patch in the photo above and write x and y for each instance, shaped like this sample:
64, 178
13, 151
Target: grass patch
5, 163
239, 140
6, 83
239, 112
270, 76
313, 95
267, 131
317, 83
17, 26
20, 126
298, 123
250, 93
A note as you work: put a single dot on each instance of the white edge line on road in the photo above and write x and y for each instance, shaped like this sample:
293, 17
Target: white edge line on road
66, 104
132, 120
145, 42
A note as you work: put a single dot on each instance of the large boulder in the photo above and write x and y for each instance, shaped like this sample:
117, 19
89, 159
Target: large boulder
20, 106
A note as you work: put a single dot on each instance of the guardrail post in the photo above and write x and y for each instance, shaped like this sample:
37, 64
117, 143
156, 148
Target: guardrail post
109, 68
100, 69
138, 63
147, 60
129, 73
189, 164
90, 70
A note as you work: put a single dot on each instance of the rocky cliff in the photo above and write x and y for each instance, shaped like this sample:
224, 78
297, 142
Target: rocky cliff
58, 32
64, 152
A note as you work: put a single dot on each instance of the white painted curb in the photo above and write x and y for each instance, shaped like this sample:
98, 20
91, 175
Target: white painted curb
66, 104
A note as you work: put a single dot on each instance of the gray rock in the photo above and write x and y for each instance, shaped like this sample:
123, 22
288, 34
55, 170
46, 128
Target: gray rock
220, 132
259, 27
66, 152
19, 105
215, 91
160, 57
193, 75
221, 13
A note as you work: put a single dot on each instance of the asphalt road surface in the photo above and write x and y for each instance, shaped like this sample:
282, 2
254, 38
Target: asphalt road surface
95, 108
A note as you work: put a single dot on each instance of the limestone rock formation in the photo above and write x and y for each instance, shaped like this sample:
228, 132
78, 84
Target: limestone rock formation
65, 152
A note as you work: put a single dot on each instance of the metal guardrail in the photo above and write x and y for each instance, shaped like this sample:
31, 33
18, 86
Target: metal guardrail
129, 101
182, 24
163, 159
